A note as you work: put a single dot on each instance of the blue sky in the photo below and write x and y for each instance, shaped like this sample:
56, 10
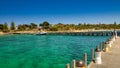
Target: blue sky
59, 11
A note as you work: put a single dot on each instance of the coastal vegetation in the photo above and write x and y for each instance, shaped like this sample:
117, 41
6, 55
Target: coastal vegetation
46, 26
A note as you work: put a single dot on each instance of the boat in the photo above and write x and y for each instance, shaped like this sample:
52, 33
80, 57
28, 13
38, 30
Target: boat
41, 33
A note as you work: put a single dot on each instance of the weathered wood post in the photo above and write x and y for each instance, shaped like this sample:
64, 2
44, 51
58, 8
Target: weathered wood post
113, 38
73, 64
92, 54
107, 34
97, 56
101, 46
101, 33
115, 34
85, 59
67, 66
112, 33
110, 43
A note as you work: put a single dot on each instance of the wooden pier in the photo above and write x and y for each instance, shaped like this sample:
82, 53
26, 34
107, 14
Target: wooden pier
106, 55
89, 33
80, 33
110, 59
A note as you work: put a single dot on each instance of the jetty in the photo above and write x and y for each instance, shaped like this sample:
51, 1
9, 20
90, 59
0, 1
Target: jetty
86, 33
105, 55
73, 33
110, 59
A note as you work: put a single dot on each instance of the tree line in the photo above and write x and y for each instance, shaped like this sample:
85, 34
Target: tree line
46, 26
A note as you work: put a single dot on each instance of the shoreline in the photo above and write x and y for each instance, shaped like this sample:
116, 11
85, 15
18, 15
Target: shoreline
70, 31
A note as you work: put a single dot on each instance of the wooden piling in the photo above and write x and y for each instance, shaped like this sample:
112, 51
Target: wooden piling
73, 64
92, 54
67, 66
85, 59
101, 46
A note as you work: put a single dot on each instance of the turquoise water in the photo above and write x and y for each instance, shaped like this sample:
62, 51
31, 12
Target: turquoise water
47, 51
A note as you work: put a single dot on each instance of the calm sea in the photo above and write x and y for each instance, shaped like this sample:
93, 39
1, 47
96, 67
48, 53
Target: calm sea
46, 51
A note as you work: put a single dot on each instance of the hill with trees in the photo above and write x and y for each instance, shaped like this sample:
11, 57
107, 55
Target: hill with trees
46, 26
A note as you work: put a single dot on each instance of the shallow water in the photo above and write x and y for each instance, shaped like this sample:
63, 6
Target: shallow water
47, 51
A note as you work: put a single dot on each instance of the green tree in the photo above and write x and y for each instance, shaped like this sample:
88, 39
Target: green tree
79, 24
59, 26
1, 27
12, 27
53, 29
40, 24
27, 26
46, 25
5, 27
21, 27
33, 26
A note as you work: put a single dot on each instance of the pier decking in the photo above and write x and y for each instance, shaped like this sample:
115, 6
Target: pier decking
110, 59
